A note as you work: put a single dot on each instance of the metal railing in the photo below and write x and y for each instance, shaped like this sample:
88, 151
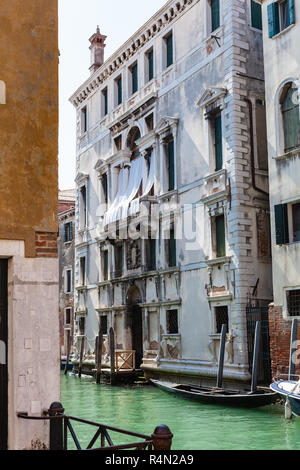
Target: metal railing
61, 427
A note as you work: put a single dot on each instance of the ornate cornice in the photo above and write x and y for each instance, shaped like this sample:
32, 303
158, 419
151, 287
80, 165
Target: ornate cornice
162, 19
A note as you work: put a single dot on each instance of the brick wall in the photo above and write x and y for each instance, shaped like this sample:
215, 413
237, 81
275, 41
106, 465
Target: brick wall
280, 335
46, 245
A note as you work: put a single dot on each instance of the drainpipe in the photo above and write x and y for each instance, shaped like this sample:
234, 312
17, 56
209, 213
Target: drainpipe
249, 103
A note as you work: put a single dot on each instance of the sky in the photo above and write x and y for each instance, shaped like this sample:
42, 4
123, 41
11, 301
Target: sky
78, 19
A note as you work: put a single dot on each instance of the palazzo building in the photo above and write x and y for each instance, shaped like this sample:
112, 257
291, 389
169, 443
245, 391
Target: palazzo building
172, 213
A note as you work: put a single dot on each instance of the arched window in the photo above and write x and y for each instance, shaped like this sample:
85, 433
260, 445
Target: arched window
290, 116
133, 136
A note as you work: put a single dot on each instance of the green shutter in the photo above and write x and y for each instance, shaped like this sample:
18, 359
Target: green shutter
105, 273
120, 259
150, 63
172, 248
153, 253
120, 97
220, 236
215, 14
105, 95
291, 4
273, 19
256, 15
169, 50
218, 143
71, 231
65, 233
134, 72
171, 172
281, 224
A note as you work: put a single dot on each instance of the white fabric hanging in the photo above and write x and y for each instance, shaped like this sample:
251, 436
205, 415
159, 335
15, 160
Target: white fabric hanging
135, 178
110, 215
135, 203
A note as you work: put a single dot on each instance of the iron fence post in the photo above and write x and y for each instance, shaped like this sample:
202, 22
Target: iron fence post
162, 438
56, 426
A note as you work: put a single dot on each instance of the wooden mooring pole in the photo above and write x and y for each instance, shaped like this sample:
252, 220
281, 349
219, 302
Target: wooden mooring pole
112, 354
56, 426
257, 339
292, 365
68, 351
221, 356
99, 344
81, 355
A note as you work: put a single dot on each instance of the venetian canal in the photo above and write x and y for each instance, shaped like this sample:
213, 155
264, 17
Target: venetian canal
195, 426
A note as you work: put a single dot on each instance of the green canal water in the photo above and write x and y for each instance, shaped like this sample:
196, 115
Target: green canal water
195, 426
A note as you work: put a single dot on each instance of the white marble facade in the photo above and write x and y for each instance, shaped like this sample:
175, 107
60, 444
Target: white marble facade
165, 299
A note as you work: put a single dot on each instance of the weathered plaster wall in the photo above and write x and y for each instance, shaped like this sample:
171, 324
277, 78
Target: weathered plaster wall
28, 120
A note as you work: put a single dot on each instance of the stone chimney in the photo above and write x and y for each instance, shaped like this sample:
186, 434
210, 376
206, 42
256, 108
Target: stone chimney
97, 50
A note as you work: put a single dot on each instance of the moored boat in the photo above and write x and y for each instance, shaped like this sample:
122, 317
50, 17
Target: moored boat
289, 390
239, 398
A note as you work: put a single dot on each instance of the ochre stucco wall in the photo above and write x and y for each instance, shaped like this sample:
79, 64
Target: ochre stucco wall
28, 120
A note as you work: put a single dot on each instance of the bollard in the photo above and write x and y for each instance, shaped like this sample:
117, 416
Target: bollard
162, 438
56, 426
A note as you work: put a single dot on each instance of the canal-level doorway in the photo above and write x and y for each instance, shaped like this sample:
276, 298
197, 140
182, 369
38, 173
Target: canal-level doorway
135, 323
3, 354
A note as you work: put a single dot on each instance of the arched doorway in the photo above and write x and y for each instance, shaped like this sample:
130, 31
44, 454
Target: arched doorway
135, 323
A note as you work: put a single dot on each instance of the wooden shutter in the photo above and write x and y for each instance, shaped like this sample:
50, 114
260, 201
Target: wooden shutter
215, 14
256, 15
273, 19
71, 231
172, 248
152, 253
120, 91
120, 259
150, 64
65, 233
291, 4
105, 265
105, 97
218, 143
134, 72
281, 224
220, 236
171, 173
169, 50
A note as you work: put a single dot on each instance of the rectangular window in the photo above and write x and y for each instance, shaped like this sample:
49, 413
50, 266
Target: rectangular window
81, 326
134, 78
151, 254
104, 102
104, 188
84, 120
172, 248
68, 284
82, 207
82, 271
281, 15
105, 265
220, 236
221, 316
169, 50
281, 224
293, 302
215, 14
218, 142
171, 165
118, 261
150, 122
150, 59
296, 222
68, 316
256, 15
103, 324
119, 91
68, 232
172, 322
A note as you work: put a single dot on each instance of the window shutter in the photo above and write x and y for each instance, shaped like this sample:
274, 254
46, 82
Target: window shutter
105, 274
153, 253
151, 69
71, 230
105, 102
291, 4
172, 248
273, 19
65, 233
120, 91
281, 224
256, 15
134, 78
169, 50
218, 143
171, 165
220, 236
215, 14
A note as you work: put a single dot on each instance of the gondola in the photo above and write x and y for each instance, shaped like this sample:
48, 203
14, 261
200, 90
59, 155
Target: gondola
256, 396
227, 397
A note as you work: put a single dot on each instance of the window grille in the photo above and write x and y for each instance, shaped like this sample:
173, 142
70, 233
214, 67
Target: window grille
221, 314
293, 302
172, 322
